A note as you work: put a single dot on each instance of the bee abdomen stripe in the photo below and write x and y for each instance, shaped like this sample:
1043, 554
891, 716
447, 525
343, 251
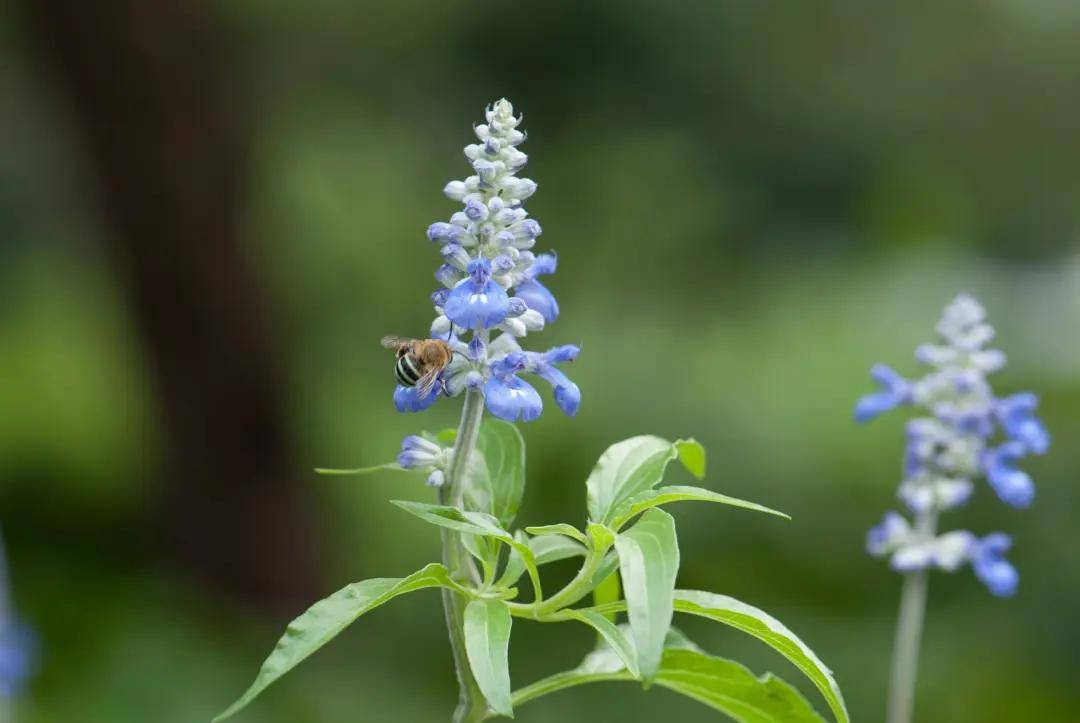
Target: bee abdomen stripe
406, 372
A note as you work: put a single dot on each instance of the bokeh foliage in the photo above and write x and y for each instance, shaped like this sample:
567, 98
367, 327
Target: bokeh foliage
753, 201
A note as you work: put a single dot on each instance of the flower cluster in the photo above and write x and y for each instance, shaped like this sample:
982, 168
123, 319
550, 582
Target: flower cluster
953, 447
490, 294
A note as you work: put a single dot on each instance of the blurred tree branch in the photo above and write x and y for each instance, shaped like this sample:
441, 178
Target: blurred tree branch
147, 81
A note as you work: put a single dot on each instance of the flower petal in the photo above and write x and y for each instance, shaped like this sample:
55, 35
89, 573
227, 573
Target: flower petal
537, 296
407, 399
511, 398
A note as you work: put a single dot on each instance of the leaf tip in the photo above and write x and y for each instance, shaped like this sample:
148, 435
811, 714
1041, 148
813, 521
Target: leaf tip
691, 456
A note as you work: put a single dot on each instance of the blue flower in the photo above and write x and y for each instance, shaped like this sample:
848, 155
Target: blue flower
477, 300
486, 250
509, 397
407, 399
417, 452
990, 565
895, 391
423, 455
954, 446
885, 536
1012, 485
1017, 417
17, 648
946, 552
441, 232
535, 294
567, 394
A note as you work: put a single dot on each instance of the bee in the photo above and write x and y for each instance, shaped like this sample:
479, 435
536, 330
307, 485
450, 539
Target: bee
419, 361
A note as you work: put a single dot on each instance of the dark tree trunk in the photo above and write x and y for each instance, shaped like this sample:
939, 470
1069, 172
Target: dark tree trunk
148, 86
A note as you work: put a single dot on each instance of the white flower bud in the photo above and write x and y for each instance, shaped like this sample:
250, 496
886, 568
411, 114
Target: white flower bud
455, 190
533, 320
514, 326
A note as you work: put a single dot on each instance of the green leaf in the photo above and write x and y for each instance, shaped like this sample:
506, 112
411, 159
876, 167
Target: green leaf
502, 451
769, 630
607, 568
515, 565
484, 550
328, 617
388, 467
610, 634
454, 518
730, 688
648, 563
720, 684
601, 537
680, 493
630, 467
692, 456
487, 643
607, 591
474, 523
560, 529
551, 548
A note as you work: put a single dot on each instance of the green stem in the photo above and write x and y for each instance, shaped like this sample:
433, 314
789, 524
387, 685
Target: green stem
576, 589
472, 706
909, 634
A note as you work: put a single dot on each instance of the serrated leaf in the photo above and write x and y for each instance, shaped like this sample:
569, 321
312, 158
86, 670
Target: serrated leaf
502, 453
721, 684
328, 617
648, 564
487, 643
769, 630
680, 493
474, 523
560, 529
630, 467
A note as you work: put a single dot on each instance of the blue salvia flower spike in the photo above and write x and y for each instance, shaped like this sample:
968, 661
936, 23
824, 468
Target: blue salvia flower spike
969, 434
490, 295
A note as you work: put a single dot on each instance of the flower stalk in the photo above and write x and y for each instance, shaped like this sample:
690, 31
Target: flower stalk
471, 703
488, 283
909, 626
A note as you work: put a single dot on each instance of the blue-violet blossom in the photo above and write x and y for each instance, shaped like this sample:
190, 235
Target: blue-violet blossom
489, 287
953, 447
17, 642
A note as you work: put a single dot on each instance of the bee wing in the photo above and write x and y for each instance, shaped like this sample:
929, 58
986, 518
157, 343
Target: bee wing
395, 342
426, 384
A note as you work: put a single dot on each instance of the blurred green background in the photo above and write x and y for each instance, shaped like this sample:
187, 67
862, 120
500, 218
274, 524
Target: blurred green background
210, 213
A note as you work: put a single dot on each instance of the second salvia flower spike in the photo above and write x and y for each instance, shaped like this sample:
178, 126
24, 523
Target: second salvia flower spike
966, 434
